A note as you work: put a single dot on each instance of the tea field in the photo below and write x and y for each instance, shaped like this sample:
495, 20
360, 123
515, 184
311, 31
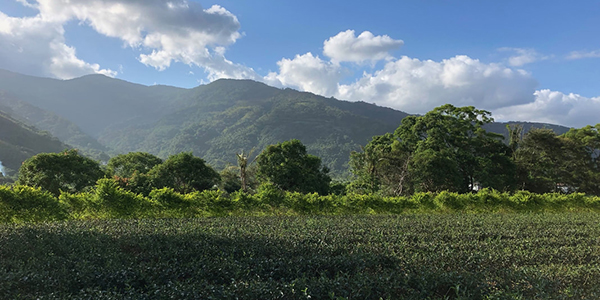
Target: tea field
420, 256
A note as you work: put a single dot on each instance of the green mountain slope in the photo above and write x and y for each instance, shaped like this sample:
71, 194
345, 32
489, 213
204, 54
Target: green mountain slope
219, 119
19, 142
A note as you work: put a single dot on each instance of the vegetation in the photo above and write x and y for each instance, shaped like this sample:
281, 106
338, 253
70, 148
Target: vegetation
352, 257
289, 167
59, 127
108, 200
448, 149
57, 172
125, 165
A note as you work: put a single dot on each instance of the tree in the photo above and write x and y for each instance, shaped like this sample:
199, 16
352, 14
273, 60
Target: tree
245, 170
291, 168
381, 166
125, 165
549, 160
184, 173
55, 172
588, 139
230, 181
451, 151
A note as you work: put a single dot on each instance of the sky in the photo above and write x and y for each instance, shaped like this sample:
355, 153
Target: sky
521, 60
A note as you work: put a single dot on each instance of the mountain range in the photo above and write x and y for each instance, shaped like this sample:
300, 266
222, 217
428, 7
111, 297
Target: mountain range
104, 116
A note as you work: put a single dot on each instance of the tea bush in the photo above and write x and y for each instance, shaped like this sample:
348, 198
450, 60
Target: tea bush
411, 256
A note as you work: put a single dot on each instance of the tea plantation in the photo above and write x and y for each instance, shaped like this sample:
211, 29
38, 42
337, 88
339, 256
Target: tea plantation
411, 256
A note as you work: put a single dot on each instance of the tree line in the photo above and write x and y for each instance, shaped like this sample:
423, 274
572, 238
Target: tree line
446, 149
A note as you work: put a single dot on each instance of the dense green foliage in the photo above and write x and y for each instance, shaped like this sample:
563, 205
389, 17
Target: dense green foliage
125, 165
109, 200
569, 162
184, 173
448, 149
67, 171
445, 150
289, 167
358, 257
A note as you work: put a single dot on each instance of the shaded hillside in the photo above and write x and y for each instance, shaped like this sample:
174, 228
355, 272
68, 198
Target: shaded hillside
19, 142
57, 126
93, 102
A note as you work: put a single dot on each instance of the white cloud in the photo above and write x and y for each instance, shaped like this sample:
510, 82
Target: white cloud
418, 86
308, 73
583, 54
556, 108
523, 56
165, 31
37, 46
347, 47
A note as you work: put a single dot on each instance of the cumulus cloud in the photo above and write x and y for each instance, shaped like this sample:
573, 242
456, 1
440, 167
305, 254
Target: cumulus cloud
417, 86
308, 73
37, 46
347, 47
583, 54
523, 56
556, 108
164, 31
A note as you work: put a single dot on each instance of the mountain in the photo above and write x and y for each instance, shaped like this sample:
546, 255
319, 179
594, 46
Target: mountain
65, 130
19, 141
219, 119
93, 102
214, 121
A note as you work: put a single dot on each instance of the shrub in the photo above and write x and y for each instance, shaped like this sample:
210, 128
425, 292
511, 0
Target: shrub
119, 202
24, 203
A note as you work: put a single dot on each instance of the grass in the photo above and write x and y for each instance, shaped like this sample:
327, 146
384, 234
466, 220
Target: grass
475, 256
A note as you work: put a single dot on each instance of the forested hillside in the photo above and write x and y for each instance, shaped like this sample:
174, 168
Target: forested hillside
219, 119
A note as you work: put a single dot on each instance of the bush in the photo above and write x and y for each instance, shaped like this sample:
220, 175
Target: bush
119, 202
23, 203
450, 200
168, 198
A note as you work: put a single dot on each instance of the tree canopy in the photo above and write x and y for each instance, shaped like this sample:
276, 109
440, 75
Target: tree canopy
55, 172
125, 165
291, 168
185, 173
445, 149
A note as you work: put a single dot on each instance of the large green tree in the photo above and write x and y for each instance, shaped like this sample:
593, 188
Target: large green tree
587, 140
291, 168
552, 163
445, 149
185, 173
55, 172
451, 151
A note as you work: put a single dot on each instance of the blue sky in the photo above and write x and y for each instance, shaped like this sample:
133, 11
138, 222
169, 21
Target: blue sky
523, 60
